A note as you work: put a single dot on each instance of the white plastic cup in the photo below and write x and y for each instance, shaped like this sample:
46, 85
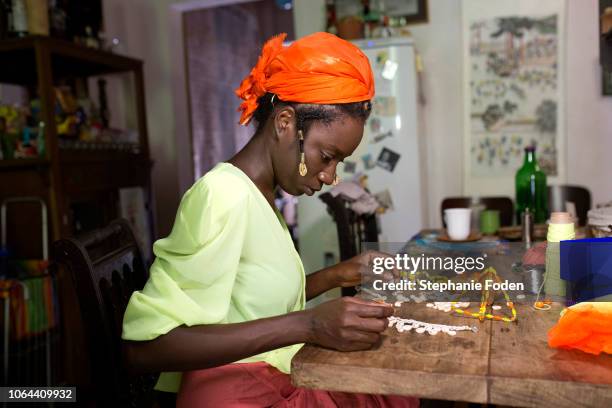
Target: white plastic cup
457, 223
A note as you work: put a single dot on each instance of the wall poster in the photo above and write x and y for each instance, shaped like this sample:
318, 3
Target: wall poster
514, 64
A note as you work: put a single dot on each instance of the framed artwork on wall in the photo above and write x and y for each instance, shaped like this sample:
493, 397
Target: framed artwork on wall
402, 12
514, 53
412, 11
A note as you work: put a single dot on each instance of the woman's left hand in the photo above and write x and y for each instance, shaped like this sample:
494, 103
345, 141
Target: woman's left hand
358, 269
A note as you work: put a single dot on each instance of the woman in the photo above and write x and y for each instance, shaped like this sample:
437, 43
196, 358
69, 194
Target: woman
227, 284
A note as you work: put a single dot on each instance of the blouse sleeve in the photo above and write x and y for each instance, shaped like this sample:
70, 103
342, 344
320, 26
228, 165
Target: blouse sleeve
192, 277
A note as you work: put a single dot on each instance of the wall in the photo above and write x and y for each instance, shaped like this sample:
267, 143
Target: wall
588, 114
142, 27
589, 122
151, 31
218, 57
439, 43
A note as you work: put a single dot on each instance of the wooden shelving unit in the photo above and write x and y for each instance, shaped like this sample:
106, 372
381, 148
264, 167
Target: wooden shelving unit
65, 177
74, 182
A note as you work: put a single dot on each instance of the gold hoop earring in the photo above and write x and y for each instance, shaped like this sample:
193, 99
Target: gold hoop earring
302, 168
336, 180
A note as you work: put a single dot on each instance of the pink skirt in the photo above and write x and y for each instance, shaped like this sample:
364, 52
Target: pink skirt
261, 385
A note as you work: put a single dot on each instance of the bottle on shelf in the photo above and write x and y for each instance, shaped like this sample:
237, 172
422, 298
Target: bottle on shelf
5, 18
531, 191
40, 139
330, 11
57, 19
38, 16
90, 39
19, 19
103, 103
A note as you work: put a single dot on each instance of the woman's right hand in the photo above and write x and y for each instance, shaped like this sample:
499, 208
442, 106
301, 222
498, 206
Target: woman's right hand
348, 323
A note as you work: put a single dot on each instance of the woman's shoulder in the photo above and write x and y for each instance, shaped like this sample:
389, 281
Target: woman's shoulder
223, 185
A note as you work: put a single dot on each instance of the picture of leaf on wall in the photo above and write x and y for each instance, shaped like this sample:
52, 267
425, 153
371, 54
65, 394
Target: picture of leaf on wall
509, 107
499, 66
492, 115
518, 91
546, 115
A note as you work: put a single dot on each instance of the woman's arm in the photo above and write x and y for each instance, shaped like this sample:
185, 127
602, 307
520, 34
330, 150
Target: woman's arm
189, 348
343, 324
321, 281
345, 274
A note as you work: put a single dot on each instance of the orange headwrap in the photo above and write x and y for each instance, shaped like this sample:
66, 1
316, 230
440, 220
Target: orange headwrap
319, 68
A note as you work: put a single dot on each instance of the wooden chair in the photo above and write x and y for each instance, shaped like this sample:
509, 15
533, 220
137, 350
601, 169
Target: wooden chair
106, 267
580, 196
504, 205
353, 229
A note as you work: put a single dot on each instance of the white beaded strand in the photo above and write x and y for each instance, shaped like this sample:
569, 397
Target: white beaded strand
446, 306
403, 325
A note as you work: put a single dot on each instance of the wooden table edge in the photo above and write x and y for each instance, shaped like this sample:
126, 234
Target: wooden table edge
469, 388
527, 393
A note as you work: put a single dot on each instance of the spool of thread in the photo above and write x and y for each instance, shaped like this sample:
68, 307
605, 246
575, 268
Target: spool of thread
560, 228
533, 279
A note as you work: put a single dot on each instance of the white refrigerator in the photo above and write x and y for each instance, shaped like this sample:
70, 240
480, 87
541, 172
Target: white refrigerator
389, 155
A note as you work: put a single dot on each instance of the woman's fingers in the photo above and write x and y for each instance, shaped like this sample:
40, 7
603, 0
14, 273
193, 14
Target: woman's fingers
361, 336
355, 346
374, 325
366, 308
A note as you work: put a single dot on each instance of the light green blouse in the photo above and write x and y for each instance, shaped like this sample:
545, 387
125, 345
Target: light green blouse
228, 259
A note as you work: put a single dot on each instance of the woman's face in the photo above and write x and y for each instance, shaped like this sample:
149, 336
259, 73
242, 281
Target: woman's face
325, 145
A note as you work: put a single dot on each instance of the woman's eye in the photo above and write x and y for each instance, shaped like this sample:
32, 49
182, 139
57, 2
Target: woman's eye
326, 158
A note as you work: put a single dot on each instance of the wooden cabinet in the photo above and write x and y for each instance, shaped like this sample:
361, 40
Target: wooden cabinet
79, 181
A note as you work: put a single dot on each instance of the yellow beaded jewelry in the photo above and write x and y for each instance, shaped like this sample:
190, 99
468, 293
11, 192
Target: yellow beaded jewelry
486, 300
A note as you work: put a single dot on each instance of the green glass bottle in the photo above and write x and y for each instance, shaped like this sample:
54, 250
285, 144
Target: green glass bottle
531, 188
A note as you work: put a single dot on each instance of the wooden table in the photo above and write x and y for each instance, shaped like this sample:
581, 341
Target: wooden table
504, 363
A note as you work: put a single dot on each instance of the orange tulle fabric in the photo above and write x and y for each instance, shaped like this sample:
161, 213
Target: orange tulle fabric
319, 68
586, 327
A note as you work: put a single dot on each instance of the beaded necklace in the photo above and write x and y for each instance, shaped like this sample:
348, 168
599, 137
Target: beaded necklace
486, 300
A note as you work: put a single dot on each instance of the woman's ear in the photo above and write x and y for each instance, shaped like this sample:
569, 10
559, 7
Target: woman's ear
284, 123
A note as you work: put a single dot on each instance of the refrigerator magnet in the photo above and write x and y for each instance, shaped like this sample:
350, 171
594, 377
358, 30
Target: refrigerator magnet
384, 199
389, 70
381, 58
368, 162
384, 106
375, 125
388, 159
349, 166
381, 137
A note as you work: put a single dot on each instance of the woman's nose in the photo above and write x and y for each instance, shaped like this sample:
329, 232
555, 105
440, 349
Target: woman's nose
326, 178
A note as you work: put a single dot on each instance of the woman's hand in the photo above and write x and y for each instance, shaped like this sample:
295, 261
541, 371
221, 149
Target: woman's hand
348, 324
351, 272
354, 271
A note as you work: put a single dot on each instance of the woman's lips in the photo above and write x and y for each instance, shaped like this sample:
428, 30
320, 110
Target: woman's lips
309, 191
